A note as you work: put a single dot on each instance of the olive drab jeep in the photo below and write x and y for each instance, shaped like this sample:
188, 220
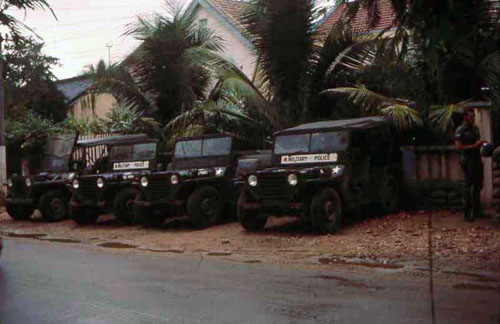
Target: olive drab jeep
322, 171
47, 190
200, 181
110, 188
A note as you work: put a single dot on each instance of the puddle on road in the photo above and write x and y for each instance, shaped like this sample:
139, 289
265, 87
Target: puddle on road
478, 277
178, 251
360, 263
34, 236
473, 286
252, 261
117, 245
60, 240
219, 253
343, 281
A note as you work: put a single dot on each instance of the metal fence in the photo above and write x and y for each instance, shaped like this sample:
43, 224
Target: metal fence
91, 154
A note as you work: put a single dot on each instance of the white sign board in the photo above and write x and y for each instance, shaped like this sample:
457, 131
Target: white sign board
131, 165
308, 158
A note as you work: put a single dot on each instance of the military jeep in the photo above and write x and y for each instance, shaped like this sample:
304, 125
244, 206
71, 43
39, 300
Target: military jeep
47, 190
110, 188
322, 171
200, 181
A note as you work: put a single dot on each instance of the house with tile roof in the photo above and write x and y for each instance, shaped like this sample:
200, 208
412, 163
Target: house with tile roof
84, 102
224, 17
386, 22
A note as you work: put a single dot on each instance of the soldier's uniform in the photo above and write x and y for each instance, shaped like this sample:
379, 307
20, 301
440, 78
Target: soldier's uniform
472, 166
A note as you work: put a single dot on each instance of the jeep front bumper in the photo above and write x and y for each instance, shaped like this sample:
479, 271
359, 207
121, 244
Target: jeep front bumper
276, 208
87, 204
19, 201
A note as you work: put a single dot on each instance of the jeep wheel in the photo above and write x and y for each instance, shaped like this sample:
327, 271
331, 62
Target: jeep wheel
148, 216
54, 206
326, 211
251, 220
205, 207
84, 216
20, 212
123, 206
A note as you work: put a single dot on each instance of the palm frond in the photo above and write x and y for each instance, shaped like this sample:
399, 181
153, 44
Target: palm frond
398, 110
441, 115
368, 100
402, 115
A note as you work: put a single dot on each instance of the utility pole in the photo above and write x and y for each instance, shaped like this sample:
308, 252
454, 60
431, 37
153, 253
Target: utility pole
3, 160
109, 45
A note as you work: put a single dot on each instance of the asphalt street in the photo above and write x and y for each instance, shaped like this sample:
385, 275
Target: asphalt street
57, 283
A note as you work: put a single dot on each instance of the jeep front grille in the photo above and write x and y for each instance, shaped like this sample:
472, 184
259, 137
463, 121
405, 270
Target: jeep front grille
159, 189
19, 189
273, 186
88, 189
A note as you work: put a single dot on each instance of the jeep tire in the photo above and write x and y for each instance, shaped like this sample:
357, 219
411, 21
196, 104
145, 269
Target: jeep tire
205, 207
20, 212
326, 211
251, 220
84, 216
54, 206
148, 216
123, 206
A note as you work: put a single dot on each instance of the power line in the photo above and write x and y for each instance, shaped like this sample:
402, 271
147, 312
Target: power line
91, 21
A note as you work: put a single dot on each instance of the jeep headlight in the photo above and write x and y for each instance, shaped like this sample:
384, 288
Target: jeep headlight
292, 179
253, 181
144, 182
100, 183
174, 179
76, 184
9, 183
219, 172
28, 182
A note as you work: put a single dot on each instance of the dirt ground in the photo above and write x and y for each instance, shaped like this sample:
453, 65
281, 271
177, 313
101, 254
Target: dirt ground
392, 242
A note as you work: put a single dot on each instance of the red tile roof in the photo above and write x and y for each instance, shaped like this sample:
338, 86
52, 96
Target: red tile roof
361, 20
234, 9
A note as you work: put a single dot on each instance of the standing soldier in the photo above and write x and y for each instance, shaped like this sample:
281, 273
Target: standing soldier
468, 143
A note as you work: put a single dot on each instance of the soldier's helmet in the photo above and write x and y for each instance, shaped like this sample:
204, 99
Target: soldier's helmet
487, 150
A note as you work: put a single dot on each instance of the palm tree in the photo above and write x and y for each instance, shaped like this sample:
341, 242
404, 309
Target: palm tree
179, 76
14, 25
297, 65
451, 43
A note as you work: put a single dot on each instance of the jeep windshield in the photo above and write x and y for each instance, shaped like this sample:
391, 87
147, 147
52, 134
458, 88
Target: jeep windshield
144, 151
311, 143
203, 147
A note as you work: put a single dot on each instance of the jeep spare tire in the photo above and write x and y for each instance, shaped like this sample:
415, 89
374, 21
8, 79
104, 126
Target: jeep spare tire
205, 207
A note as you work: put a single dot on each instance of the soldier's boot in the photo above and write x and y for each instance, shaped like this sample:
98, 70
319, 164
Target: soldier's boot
467, 197
476, 203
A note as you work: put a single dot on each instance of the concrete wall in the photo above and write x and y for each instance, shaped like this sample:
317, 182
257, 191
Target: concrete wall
234, 47
484, 122
92, 106
442, 163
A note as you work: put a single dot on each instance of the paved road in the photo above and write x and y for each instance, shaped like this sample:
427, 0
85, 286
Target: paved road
56, 283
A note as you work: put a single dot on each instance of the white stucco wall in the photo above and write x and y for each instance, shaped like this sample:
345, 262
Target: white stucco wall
234, 48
